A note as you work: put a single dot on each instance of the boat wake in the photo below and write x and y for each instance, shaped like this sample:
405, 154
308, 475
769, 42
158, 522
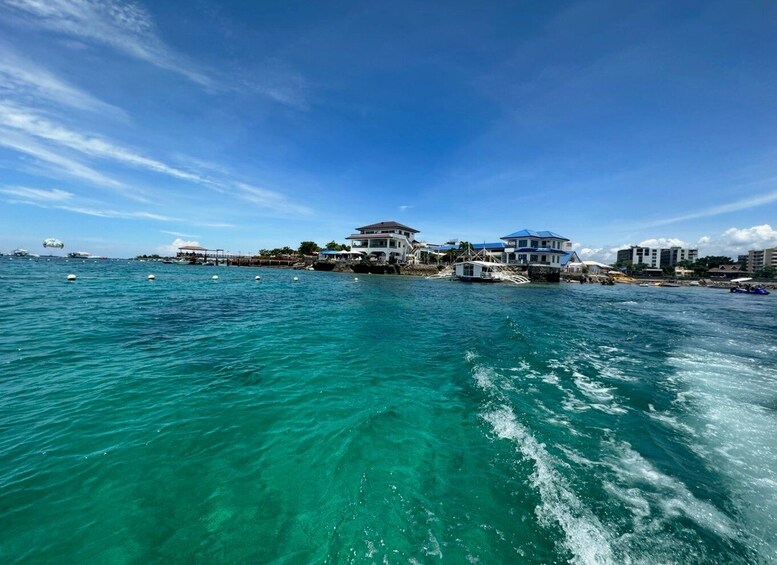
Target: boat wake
607, 500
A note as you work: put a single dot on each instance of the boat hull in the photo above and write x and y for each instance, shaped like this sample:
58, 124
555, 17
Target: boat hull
761, 291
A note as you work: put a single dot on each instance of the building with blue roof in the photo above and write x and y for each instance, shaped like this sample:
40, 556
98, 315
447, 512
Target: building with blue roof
539, 251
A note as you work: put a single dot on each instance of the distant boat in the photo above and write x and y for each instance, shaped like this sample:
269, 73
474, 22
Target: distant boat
53, 243
751, 290
79, 255
747, 289
19, 252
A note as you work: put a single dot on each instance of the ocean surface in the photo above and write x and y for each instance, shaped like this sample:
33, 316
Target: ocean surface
385, 420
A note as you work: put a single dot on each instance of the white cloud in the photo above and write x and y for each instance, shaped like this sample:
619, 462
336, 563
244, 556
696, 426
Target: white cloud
20, 78
662, 242
172, 248
21, 129
108, 213
23, 144
601, 254
273, 201
37, 194
738, 241
27, 122
177, 234
125, 26
763, 234
744, 204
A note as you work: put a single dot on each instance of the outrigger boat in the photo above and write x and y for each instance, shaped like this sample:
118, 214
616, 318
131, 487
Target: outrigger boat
480, 268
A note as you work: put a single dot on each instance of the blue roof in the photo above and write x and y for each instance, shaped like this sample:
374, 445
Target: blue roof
497, 245
532, 233
329, 252
566, 258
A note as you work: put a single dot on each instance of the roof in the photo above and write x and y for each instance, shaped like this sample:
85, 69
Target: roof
497, 245
569, 256
532, 233
390, 225
193, 248
728, 269
374, 236
597, 264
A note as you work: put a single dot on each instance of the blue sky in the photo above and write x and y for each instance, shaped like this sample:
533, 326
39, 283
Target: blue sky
126, 127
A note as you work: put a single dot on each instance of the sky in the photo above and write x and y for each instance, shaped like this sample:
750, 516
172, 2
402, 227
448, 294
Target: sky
131, 128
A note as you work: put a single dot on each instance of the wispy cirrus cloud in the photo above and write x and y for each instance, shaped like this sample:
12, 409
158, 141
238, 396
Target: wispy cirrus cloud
24, 130
62, 164
37, 194
177, 233
124, 26
25, 121
22, 79
109, 213
57, 199
271, 200
735, 206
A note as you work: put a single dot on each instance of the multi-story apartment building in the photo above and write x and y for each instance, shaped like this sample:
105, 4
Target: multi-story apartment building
760, 258
675, 255
636, 255
655, 258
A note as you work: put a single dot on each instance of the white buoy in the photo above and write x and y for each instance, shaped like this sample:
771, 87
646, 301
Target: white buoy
296, 279
71, 277
215, 277
151, 277
355, 279
257, 278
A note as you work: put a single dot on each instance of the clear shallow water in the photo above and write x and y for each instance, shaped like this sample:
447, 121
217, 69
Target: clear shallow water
389, 420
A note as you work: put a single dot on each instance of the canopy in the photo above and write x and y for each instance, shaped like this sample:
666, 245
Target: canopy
193, 248
742, 279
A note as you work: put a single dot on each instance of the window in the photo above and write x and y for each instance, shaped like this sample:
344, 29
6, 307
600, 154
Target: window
522, 243
534, 243
469, 270
544, 259
533, 258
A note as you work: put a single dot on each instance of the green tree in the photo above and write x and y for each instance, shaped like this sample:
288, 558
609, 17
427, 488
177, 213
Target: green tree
308, 247
767, 272
712, 261
334, 246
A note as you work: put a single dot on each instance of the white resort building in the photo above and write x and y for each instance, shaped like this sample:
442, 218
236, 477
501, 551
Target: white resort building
389, 242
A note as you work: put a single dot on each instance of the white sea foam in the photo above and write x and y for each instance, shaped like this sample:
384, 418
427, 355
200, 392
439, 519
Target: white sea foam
485, 377
670, 421
432, 547
729, 395
593, 390
584, 536
667, 493
470, 356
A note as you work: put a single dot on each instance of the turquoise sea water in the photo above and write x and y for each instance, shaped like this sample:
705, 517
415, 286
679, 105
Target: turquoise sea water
389, 420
